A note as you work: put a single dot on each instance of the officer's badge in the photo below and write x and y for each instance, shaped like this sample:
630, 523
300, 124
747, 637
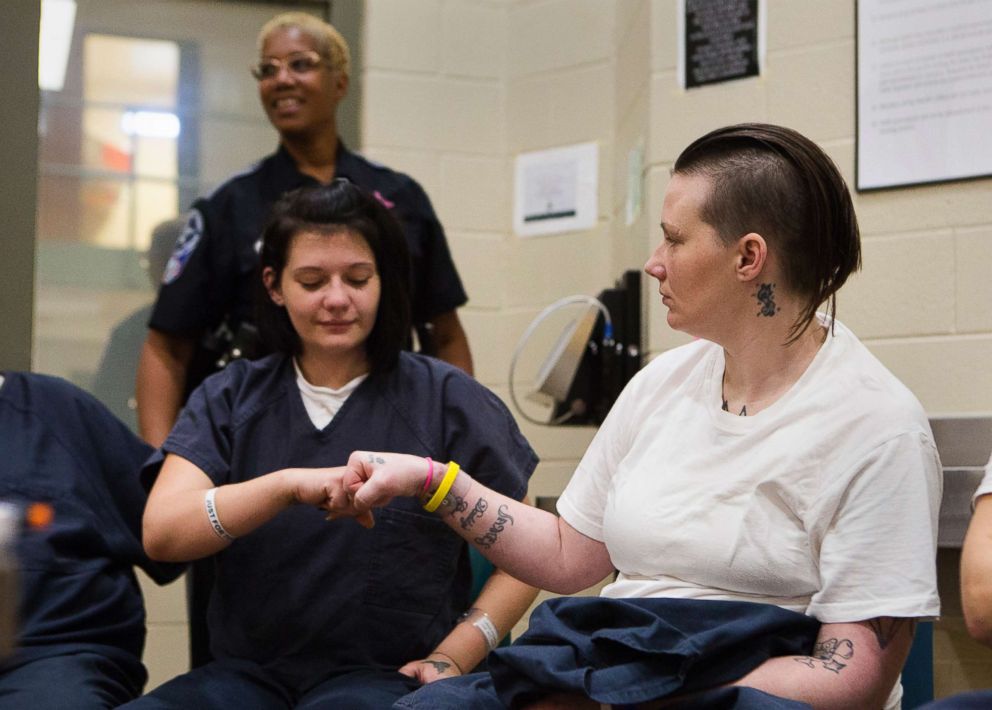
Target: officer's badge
185, 245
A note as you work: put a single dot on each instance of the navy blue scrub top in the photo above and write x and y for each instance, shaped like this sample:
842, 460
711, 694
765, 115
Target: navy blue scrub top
59, 445
211, 272
306, 597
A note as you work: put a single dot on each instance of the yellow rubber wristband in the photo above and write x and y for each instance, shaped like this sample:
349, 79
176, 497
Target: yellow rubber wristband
442, 490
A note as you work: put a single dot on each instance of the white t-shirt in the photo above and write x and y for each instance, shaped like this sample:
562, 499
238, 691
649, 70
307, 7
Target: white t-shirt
984, 488
322, 403
825, 503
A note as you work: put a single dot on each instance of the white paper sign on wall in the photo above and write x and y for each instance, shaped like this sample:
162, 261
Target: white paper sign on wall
556, 190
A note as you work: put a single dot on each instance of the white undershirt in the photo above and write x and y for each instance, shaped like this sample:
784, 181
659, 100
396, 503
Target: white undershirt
322, 403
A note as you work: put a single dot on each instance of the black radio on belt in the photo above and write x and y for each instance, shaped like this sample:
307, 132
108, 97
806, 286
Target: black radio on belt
232, 341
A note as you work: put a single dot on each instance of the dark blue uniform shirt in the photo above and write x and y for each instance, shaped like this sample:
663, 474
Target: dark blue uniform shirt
307, 598
59, 445
210, 275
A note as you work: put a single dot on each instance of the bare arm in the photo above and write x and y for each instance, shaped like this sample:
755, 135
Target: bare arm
533, 545
853, 665
502, 601
451, 341
161, 381
176, 527
976, 572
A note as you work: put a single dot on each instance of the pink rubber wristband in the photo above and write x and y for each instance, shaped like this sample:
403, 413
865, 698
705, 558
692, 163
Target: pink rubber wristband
430, 477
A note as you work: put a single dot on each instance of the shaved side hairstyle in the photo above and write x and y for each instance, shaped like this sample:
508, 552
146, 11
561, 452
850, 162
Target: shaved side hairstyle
776, 182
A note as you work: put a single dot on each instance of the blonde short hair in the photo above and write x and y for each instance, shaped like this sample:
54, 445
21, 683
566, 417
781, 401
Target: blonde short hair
327, 40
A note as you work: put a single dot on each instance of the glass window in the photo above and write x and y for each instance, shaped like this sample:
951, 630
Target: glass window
151, 105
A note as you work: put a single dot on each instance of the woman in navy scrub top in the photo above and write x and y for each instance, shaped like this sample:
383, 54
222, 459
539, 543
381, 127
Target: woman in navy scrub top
307, 612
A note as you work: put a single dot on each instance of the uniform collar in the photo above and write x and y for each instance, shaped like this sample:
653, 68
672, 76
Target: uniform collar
346, 165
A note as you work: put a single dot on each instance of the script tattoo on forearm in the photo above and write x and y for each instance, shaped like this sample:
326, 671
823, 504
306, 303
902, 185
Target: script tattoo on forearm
830, 653
503, 518
887, 628
766, 297
469, 520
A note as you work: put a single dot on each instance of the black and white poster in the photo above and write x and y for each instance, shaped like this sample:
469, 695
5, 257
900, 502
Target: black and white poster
720, 40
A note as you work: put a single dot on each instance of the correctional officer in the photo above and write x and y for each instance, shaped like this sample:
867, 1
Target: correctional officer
202, 317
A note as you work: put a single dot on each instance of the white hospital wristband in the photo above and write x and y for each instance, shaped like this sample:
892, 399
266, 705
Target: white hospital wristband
488, 629
208, 500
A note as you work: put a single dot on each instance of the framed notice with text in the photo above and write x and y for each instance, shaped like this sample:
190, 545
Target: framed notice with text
556, 190
719, 40
924, 83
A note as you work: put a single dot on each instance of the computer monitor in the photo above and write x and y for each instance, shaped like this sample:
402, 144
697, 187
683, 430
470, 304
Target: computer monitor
584, 374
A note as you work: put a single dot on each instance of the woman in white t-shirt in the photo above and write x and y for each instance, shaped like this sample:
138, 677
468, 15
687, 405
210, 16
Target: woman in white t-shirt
772, 460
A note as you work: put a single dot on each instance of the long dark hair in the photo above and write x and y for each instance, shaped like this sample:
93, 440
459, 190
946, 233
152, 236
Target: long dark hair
339, 206
778, 183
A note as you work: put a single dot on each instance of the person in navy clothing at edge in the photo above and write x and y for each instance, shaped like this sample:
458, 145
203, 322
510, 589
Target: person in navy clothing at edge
80, 614
203, 312
773, 463
306, 612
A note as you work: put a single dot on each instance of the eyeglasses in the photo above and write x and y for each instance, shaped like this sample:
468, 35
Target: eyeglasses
298, 64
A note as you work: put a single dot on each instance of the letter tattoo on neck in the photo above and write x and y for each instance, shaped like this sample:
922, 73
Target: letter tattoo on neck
766, 296
503, 518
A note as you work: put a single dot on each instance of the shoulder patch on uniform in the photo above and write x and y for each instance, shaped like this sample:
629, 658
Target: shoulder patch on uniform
185, 245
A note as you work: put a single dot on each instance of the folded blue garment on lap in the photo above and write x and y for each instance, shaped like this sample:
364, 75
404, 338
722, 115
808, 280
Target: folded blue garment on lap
627, 651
